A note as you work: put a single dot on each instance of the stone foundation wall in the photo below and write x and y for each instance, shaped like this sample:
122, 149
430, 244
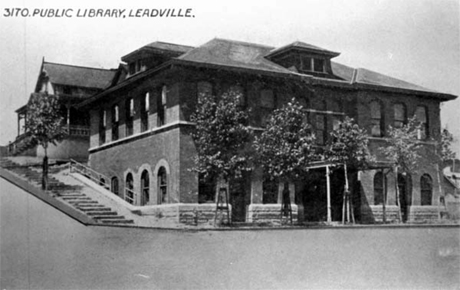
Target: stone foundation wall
268, 213
375, 214
423, 213
190, 214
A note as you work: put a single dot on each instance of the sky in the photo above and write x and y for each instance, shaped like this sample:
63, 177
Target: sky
414, 40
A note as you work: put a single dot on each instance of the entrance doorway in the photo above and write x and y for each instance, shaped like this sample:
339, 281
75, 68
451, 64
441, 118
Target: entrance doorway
240, 197
314, 195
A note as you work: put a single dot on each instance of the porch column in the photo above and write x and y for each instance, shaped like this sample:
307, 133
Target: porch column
68, 119
19, 124
328, 186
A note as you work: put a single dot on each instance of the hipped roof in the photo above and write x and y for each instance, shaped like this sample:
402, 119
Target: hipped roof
251, 57
78, 76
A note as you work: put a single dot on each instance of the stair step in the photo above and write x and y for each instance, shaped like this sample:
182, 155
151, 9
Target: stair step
101, 213
95, 209
75, 197
89, 205
117, 221
76, 202
108, 217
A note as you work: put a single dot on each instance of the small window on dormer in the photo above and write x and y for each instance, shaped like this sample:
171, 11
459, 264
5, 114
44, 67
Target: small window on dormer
319, 65
132, 68
306, 63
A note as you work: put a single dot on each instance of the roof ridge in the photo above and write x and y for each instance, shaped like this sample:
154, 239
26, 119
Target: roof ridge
164, 42
243, 42
79, 66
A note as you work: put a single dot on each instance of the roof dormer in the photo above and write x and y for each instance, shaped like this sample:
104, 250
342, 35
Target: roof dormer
152, 55
304, 58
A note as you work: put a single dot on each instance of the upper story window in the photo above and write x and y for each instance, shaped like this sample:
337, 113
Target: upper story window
376, 119
129, 116
136, 66
161, 105
421, 116
145, 106
399, 111
102, 126
238, 92
267, 99
318, 65
321, 129
115, 122
312, 64
203, 88
306, 63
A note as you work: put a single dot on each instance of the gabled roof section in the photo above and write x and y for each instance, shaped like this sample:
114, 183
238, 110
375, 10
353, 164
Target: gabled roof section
236, 54
159, 47
78, 76
302, 46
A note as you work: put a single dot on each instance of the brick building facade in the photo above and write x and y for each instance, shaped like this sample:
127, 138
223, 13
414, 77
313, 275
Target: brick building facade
140, 128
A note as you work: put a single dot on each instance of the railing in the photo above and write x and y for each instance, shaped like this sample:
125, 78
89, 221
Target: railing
75, 130
130, 195
84, 170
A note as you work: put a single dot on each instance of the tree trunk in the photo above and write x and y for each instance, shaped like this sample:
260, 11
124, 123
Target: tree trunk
384, 203
45, 170
397, 195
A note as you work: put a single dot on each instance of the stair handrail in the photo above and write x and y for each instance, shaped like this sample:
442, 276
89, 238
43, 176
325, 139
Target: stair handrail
89, 173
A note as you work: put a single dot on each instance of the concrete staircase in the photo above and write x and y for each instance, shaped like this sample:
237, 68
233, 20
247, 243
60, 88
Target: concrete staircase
69, 194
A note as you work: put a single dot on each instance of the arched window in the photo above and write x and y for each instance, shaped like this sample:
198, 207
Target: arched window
426, 189
162, 185
115, 122
145, 187
376, 119
399, 115
129, 189
114, 185
380, 184
129, 108
270, 190
421, 116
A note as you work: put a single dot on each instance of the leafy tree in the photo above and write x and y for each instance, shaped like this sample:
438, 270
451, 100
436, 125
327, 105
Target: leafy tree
286, 146
44, 125
220, 136
445, 153
402, 150
348, 145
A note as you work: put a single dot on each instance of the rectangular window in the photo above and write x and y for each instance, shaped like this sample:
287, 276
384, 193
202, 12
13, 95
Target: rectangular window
102, 126
321, 129
422, 117
145, 112
129, 116
306, 63
267, 99
115, 122
319, 65
161, 104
